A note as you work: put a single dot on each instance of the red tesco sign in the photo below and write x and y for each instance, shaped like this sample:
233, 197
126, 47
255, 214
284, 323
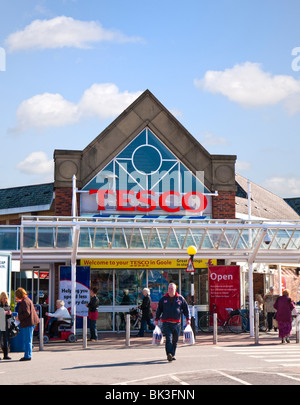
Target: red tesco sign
123, 200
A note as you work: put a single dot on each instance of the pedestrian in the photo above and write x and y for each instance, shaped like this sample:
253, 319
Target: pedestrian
147, 315
169, 310
269, 301
284, 306
4, 303
61, 317
28, 318
93, 314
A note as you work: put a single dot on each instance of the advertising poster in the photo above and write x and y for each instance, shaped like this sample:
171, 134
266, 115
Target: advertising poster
224, 289
82, 290
4, 273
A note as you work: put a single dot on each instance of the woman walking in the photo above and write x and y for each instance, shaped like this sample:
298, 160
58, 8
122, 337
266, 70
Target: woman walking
146, 313
28, 319
284, 306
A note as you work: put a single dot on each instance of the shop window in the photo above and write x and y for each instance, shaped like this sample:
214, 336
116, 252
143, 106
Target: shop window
158, 281
129, 285
103, 281
105, 321
200, 286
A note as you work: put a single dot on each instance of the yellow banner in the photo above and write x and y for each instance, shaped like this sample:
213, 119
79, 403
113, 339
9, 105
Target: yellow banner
145, 263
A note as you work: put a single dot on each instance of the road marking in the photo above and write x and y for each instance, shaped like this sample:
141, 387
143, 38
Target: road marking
278, 355
282, 359
179, 380
288, 376
233, 378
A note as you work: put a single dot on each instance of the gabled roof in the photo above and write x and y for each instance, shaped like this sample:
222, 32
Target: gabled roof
145, 111
264, 204
26, 198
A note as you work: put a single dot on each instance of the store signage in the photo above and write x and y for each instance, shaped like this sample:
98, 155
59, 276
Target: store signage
4, 273
145, 201
82, 290
224, 289
145, 263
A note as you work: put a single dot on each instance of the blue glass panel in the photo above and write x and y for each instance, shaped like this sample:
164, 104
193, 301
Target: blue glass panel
103, 179
29, 237
153, 140
64, 238
46, 237
130, 148
147, 159
9, 238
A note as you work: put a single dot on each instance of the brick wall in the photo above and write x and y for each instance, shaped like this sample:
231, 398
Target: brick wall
63, 202
223, 206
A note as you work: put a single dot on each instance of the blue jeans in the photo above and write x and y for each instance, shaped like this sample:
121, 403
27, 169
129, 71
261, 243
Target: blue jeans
144, 323
171, 332
28, 336
93, 329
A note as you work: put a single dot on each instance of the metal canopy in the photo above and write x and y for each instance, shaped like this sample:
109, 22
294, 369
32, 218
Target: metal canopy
60, 238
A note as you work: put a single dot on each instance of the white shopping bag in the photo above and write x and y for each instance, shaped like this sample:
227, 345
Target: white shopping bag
157, 338
188, 336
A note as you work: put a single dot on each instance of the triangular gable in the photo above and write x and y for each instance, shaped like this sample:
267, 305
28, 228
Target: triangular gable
147, 164
173, 140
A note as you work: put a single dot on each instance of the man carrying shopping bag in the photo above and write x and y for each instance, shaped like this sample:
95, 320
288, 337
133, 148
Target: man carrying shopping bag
169, 310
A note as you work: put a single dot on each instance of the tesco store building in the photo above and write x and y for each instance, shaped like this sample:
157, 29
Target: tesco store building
126, 208
144, 168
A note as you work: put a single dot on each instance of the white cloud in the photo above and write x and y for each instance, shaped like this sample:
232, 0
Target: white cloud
104, 101
36, 163
62, 32
43, 111
52, 110
242, 166
283, 186
247, 84
213, 140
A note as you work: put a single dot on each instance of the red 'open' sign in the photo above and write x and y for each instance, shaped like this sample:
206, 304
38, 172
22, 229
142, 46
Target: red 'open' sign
224, 289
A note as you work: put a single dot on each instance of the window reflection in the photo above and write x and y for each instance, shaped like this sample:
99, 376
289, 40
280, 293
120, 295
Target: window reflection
103, 281
129, 285
158, 281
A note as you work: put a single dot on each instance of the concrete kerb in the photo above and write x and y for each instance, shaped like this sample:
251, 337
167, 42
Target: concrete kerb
108, 341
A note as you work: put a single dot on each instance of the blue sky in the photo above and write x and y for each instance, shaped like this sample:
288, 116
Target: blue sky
229, 71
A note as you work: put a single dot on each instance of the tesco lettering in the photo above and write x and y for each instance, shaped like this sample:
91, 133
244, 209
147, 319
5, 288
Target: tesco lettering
124, 200
219, 277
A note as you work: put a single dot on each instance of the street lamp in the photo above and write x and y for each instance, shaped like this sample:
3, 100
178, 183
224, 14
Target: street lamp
192, 250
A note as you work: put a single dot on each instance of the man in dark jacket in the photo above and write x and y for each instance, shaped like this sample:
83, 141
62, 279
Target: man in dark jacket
169, 310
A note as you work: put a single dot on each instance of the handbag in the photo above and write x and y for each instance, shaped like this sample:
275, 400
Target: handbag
157, 337
294, 312
13, 329
188, 335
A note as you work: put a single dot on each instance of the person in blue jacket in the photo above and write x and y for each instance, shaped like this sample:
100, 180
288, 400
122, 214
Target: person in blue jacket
169, 310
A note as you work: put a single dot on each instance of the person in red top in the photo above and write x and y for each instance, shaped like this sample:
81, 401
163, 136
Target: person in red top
169, 310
